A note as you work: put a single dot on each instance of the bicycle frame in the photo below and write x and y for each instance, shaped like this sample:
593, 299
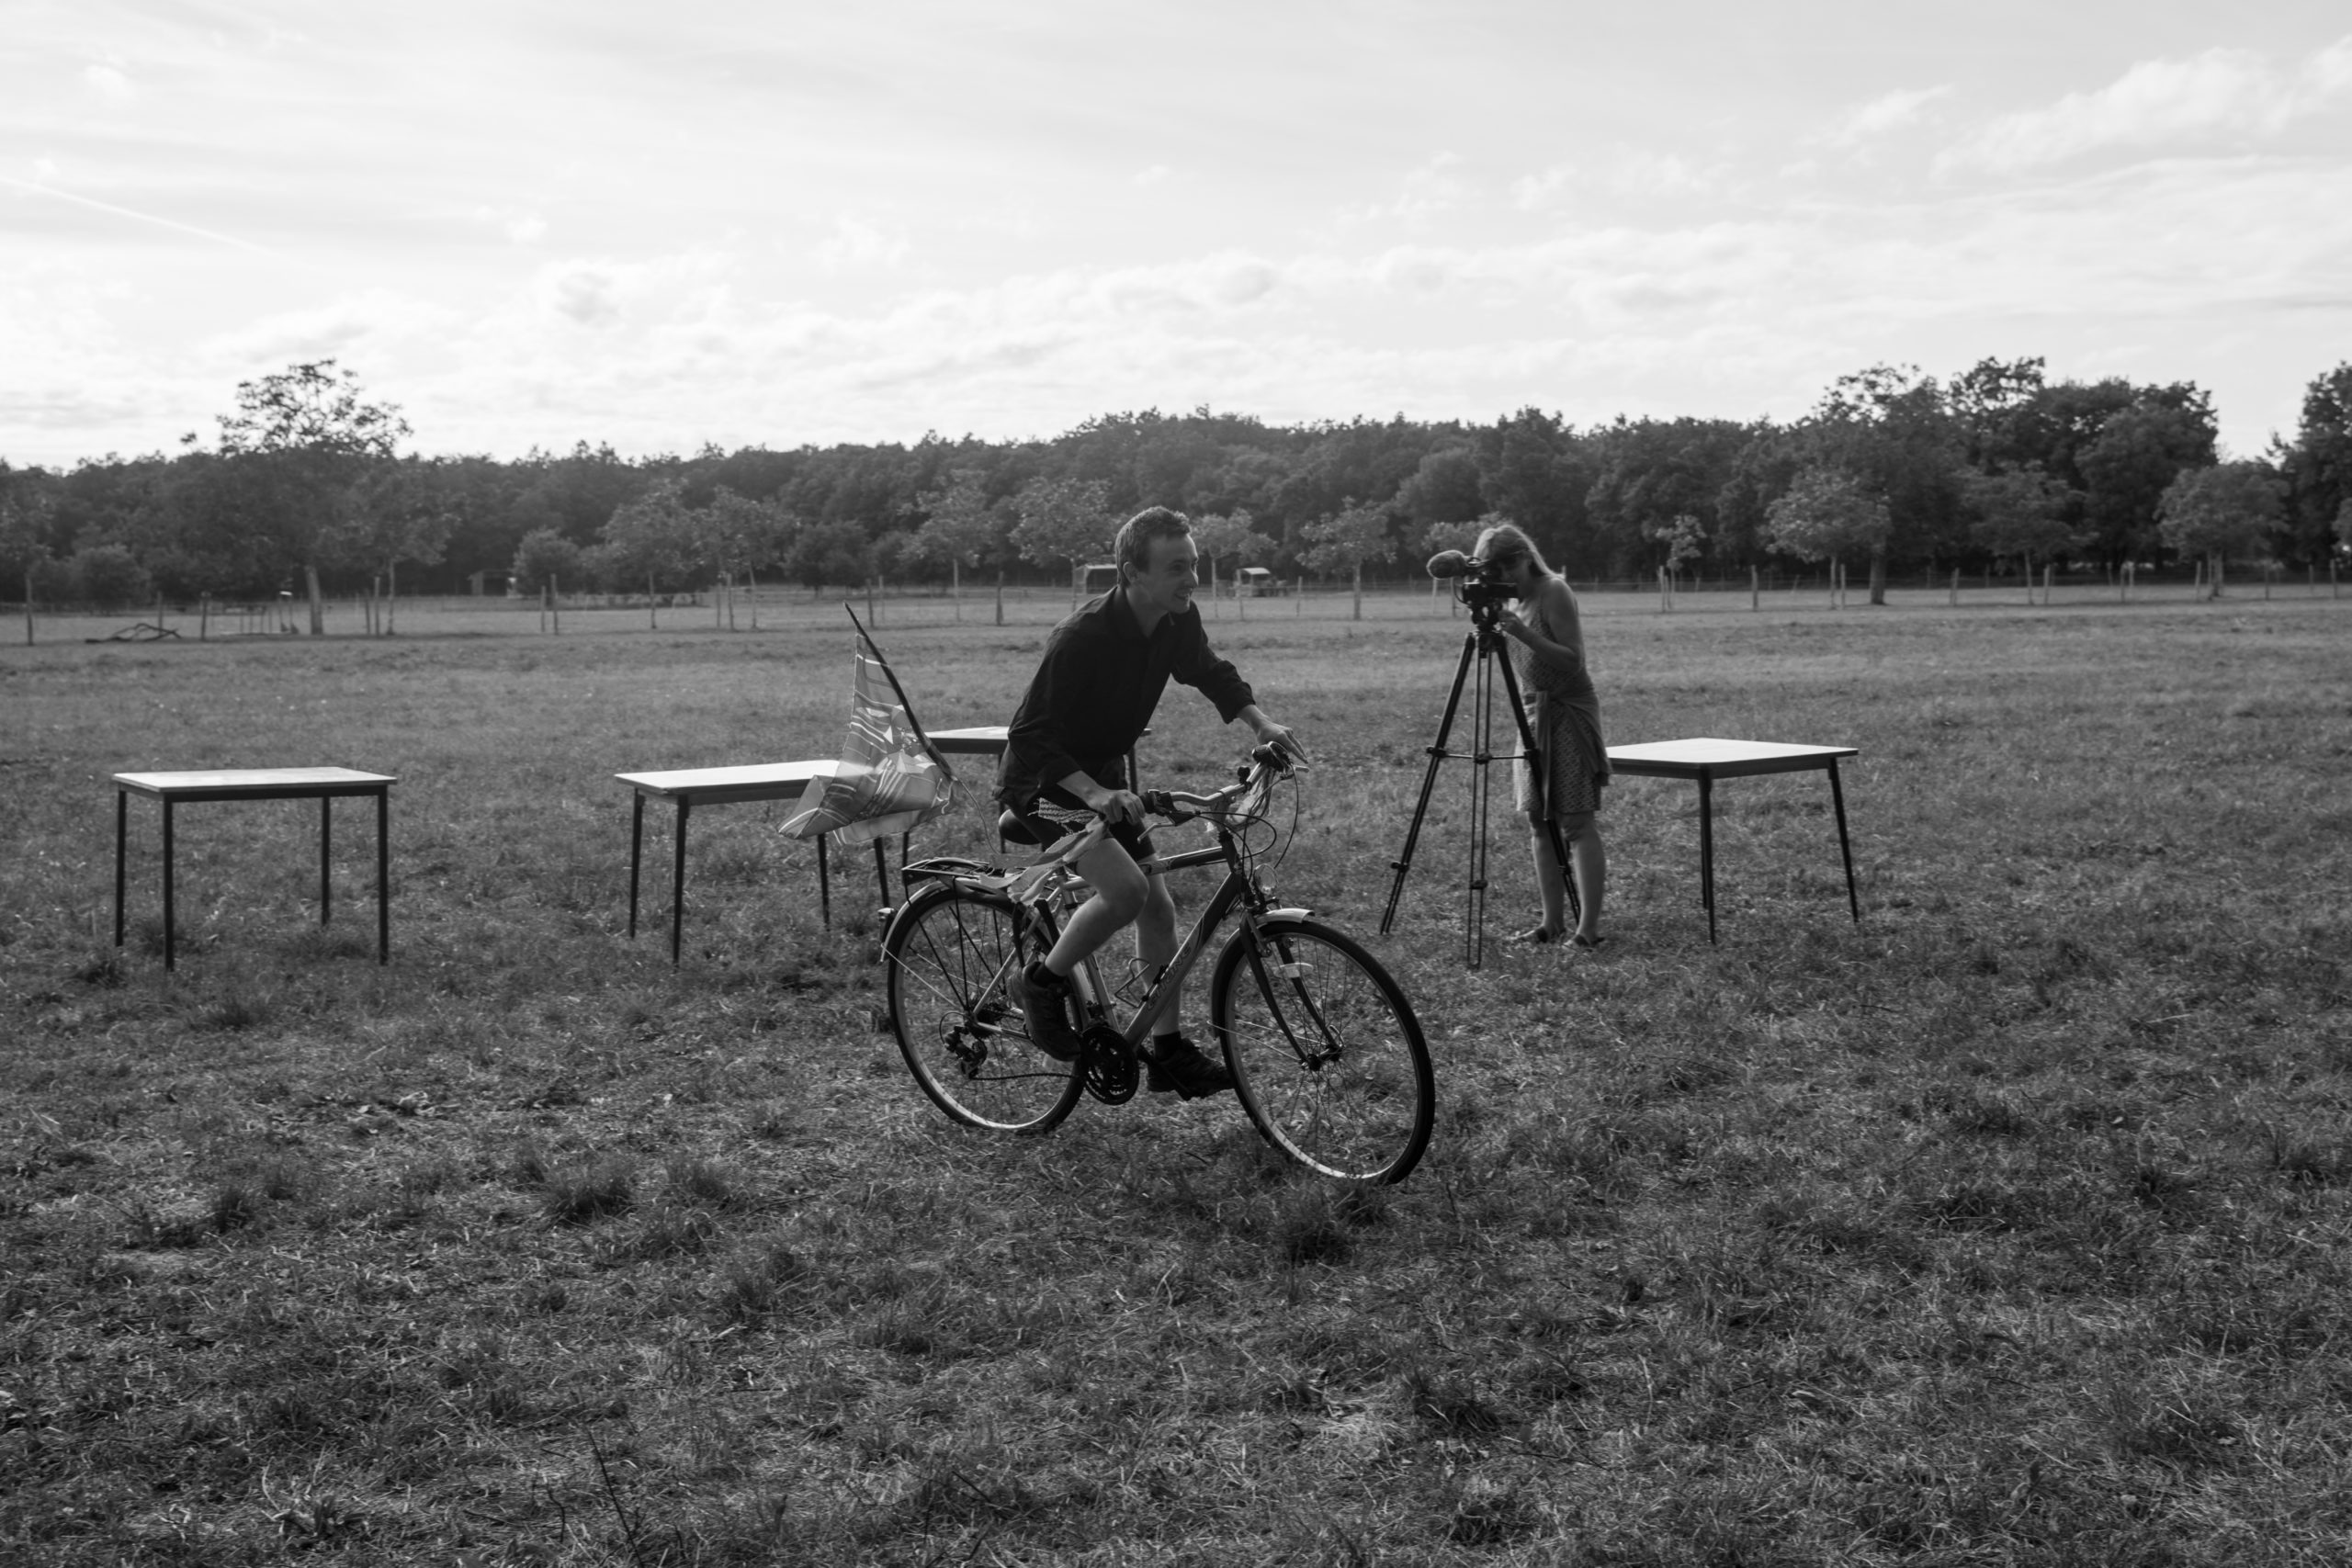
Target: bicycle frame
1036, 885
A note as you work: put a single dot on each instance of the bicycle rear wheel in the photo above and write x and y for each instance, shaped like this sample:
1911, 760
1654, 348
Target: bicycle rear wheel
1326, 1053
947, 956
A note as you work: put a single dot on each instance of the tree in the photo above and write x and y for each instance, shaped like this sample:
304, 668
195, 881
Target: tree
1444, 488
1064, 520
1229, 536
1890, 427
740, 535
1349, 538
1439, 537
2021, 513
25, 506
397, 512
1830, 514
105, 576
545, 558
1651, 471
308, 436
830, 552
959, 527
2137, 454
2318, 467
653, 539
1683, 540
2215, 513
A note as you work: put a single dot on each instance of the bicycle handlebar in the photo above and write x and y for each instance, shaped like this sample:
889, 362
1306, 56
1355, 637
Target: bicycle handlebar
1178, 805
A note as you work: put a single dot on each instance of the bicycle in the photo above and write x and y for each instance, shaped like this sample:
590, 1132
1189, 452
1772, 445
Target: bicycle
1326, 1053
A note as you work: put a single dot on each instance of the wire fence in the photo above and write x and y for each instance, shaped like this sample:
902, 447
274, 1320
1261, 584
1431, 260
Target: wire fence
770, 608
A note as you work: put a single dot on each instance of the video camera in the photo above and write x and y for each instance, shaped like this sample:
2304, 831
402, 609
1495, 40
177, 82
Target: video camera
1473, 582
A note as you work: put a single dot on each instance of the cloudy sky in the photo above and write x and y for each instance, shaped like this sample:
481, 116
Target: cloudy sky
536, 221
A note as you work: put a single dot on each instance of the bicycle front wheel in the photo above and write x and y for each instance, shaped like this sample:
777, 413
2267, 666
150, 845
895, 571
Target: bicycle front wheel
1326, 1053
947, 956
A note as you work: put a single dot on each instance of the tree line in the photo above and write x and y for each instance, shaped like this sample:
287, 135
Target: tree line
1998, 466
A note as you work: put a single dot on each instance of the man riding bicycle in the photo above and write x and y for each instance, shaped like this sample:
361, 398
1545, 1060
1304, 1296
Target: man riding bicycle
1091, 700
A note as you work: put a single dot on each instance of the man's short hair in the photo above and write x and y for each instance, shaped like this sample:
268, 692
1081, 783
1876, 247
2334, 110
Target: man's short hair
1136, 534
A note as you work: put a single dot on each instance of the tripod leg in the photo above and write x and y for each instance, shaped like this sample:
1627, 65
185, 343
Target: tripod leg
1438, 753
1474, 898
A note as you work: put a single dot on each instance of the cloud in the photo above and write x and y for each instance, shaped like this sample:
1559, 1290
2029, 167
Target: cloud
1889, 111
519, 227
856, 246
2230, 94
1426, 190
109, 84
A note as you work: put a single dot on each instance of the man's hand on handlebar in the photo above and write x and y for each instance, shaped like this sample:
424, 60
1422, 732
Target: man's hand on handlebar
1117, 805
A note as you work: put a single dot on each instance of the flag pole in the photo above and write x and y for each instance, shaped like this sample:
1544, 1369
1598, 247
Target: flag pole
900, 692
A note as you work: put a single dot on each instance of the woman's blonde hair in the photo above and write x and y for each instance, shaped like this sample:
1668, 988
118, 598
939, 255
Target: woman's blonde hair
1504, 542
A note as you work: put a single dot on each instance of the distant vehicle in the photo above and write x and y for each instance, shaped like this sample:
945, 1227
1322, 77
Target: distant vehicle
1255, 583
1101, 576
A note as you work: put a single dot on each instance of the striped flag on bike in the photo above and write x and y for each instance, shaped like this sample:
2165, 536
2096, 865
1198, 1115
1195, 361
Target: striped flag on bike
886, 781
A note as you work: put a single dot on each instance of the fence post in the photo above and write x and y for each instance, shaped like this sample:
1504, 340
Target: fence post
2123, 584
1955, 588
2049, 580
1755, 590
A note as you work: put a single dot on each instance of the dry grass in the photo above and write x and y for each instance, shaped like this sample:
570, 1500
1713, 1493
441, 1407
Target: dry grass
2008, 1226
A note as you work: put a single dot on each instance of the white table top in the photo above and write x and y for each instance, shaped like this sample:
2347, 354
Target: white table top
979, 737
779, 776
1713, 754
251, 779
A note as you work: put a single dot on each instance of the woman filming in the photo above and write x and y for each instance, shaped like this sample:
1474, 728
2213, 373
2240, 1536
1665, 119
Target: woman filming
1565, 714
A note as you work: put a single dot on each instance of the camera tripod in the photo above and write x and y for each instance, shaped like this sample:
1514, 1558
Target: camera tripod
1482, 647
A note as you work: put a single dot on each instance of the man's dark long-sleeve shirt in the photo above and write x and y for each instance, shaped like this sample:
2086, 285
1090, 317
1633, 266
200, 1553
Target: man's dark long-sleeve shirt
1095, 692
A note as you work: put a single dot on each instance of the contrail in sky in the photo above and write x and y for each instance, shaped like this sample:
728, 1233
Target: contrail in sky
139, 217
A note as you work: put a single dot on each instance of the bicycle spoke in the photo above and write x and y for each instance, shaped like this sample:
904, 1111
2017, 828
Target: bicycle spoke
1326, 1053
947, 956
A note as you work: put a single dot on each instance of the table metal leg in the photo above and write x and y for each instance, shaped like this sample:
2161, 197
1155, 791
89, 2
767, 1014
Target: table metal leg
121, 827
1707, 849
824, 885
636, 847
170, 951
326, 834
1845, 848
678, 884
383, 876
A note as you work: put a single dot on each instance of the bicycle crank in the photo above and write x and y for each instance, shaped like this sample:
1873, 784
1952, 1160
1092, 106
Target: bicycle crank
1109, 1063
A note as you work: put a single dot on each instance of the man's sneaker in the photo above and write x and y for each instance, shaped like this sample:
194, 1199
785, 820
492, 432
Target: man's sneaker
1176, 1063
1043, 997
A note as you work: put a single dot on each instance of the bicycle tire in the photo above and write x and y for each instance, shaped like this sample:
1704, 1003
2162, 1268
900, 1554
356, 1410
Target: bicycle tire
1326, 1055
967, 1044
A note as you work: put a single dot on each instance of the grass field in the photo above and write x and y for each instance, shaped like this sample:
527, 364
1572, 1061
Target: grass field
2006, 1226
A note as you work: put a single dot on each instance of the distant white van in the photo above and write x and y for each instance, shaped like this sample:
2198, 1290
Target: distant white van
1100, 578
1255, 583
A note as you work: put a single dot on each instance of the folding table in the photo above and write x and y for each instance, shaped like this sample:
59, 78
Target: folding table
258, 784
1705, 759
690, 787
